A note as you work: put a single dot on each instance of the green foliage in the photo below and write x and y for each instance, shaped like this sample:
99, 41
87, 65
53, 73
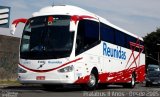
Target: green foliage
152, 46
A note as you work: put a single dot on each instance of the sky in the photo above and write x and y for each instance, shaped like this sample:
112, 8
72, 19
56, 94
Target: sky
139, 17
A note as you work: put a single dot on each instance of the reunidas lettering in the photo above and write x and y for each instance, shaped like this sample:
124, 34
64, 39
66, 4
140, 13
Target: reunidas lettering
112, 52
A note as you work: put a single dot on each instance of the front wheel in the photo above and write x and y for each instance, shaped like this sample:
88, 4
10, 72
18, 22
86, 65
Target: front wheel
148, 84
92, 83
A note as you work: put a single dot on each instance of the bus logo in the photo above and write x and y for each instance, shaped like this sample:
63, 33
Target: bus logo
114, 52
41, 64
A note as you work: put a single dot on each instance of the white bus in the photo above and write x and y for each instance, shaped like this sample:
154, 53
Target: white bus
69, 45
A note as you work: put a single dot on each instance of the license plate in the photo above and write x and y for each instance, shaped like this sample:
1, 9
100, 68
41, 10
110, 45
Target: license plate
40, 78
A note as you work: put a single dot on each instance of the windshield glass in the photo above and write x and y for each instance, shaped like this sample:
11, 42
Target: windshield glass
47, 37
153, 68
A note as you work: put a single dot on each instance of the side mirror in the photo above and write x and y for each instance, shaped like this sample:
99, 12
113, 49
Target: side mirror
15, 23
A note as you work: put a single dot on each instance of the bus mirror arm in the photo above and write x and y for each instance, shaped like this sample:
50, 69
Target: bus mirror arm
13, 29
15, 23
72, 26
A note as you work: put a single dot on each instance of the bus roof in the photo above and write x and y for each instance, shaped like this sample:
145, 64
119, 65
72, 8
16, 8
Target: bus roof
73, 10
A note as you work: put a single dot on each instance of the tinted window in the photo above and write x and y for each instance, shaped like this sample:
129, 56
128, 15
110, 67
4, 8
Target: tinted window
87, 35
91, 30
47, 40
134, 40
117, 37
130, 39
107, 33
120, 38
153, 68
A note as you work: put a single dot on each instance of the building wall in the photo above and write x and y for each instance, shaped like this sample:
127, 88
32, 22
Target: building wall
9, 47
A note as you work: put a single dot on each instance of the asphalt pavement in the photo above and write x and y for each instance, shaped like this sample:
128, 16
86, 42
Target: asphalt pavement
76, 91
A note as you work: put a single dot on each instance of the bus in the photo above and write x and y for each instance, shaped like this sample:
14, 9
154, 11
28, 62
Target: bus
65, 44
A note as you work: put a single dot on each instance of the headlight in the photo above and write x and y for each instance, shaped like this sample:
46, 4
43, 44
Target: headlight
20, 70
66, 69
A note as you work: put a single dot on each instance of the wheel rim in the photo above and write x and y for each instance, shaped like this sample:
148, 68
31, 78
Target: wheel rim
92, 80
133, 81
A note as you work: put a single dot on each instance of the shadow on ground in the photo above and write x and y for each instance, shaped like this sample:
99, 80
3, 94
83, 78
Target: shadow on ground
66, 88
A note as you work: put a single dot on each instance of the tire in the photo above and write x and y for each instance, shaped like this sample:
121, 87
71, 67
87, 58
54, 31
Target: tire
92, 83
132, 84
148, 84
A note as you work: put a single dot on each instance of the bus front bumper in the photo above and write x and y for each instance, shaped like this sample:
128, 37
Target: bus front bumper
46, 78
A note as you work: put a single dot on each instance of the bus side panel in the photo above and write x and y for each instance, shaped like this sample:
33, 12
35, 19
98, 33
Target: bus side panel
110, 69
91, 58
119, 70
141, 71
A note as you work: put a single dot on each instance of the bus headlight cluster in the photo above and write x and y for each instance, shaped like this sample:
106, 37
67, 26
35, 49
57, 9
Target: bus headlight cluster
66, 69
20, 70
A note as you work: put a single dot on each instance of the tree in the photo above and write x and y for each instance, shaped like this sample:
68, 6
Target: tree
152, 48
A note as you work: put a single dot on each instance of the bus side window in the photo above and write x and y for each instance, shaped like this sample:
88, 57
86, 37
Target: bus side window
107, 33
120, 38
87, 35
130, 39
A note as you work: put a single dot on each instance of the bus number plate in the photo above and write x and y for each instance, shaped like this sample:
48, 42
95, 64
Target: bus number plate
40, 78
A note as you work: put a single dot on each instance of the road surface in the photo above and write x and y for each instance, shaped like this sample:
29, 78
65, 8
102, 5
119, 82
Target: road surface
75, 91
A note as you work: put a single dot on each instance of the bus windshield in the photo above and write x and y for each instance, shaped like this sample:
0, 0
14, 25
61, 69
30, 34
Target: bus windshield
47, 37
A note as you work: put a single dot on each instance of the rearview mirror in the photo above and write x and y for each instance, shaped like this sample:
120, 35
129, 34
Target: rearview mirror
15, 23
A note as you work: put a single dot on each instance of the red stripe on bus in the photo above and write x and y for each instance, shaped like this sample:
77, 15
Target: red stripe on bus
48, 70
117, 77
76, 18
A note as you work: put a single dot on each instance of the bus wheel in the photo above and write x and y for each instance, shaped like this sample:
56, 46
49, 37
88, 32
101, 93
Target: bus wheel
92, 83
148, 84
132, 83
